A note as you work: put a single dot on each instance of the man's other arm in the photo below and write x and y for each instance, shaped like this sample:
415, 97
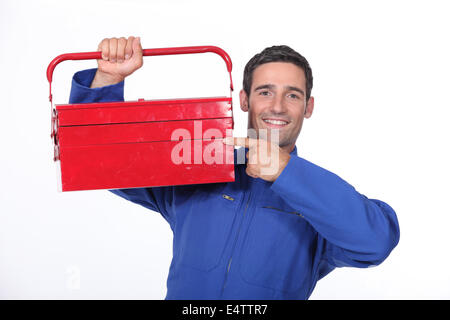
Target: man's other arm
359, 231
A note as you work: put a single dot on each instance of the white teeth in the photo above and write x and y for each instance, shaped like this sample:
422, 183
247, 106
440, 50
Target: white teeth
278, 122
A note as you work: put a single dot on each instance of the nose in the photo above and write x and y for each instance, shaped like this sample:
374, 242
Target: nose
278, 105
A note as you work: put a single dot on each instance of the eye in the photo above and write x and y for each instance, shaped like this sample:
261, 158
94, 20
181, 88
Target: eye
293, 96
264, 93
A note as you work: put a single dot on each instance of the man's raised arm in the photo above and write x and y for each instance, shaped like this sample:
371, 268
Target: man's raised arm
121, 57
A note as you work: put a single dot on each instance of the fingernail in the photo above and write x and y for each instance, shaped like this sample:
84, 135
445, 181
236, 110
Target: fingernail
127, 56
113, 60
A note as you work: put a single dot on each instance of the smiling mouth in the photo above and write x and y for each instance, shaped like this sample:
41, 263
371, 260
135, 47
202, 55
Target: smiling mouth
277, 123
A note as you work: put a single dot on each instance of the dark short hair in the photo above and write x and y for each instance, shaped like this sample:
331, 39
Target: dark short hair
281, 53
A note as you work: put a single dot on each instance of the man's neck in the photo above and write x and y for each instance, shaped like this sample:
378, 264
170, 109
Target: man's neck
288, 148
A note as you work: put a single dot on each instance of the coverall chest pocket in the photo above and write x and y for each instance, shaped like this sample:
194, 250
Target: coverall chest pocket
278, 248
206, 228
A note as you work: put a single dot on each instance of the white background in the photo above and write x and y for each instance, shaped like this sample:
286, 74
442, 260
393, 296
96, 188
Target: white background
380, 122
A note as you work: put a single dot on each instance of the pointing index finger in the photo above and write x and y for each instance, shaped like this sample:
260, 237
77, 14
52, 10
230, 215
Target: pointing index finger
238, 141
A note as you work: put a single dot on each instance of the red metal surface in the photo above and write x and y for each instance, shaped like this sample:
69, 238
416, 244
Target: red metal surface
139, 165
141, 111
131, 144
139, 132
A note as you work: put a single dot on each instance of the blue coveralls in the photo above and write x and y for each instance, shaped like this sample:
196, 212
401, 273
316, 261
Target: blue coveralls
253, 239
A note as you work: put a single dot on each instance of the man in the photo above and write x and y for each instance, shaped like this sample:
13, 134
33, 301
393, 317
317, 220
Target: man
270, 234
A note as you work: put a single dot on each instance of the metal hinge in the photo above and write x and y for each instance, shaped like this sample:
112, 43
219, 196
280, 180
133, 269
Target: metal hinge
227, 197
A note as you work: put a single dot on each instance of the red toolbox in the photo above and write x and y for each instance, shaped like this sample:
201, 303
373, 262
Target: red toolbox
144, 143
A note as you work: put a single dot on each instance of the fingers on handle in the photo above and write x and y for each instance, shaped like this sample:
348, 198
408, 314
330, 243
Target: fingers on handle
137, 47
121, 46
104, 48
113, 49
129, 48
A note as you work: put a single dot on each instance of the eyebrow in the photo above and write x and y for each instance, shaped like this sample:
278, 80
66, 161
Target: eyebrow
272, 86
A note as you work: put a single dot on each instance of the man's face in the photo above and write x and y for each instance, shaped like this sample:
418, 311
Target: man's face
278, 101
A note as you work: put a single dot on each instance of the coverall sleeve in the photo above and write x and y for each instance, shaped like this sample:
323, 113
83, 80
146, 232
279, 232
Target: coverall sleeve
158, 199
358, 231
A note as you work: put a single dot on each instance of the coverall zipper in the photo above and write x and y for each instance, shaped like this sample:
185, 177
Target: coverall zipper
234, 244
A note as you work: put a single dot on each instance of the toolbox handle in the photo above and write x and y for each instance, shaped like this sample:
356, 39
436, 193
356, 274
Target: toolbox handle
145, 52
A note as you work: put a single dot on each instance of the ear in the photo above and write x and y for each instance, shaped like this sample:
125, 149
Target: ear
243, 100
309, 107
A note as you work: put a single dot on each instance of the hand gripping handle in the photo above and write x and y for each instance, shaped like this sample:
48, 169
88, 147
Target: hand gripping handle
145, 52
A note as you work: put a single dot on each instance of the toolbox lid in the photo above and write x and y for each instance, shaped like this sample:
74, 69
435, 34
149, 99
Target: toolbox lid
143, 111
157, 131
